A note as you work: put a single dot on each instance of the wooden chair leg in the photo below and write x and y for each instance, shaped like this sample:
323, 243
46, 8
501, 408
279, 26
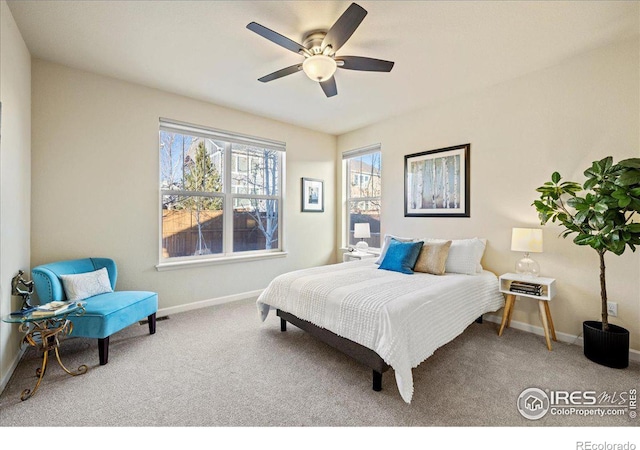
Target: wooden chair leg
152, 323
103, 350
283, 325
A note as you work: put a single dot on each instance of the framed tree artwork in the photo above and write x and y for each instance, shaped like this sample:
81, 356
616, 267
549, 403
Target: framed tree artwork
312, 195
436, 183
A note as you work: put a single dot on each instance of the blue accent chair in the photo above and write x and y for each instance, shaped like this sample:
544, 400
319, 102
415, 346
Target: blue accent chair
105, 313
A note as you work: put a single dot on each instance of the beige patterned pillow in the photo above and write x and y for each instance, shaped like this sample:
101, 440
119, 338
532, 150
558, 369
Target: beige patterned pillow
84, 285
433, 258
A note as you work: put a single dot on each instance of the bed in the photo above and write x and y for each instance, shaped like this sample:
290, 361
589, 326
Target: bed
381, 318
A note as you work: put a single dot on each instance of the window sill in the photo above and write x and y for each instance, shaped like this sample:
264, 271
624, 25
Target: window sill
214, 261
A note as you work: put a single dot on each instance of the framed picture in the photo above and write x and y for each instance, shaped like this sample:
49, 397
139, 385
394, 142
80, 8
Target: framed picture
436, 183
312, 195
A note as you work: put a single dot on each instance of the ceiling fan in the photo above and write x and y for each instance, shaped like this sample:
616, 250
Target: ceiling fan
319, 50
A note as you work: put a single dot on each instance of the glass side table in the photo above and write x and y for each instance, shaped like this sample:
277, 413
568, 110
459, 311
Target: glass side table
44, 333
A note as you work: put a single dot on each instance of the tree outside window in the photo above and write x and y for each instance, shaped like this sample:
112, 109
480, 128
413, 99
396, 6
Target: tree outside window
207, 211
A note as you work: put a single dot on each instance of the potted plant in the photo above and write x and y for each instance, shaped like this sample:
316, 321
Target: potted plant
600, 213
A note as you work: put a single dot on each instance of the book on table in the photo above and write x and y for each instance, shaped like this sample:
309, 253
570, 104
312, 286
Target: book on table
524, 291
23, 312
524, 286
52, 309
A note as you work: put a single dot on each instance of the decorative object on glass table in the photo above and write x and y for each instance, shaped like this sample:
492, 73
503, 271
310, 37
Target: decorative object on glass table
527, 240
21, 287
361, 231
52, 308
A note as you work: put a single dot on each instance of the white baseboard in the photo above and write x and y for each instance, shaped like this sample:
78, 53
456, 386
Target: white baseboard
634, 355
12, 368
210, 302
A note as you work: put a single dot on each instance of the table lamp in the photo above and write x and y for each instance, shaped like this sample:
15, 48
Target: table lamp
527, 240
361, 231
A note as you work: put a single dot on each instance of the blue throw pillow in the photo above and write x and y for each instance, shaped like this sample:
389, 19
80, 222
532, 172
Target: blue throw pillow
401, 256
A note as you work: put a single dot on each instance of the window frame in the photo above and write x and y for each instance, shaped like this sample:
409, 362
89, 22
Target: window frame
347, 183
227, 195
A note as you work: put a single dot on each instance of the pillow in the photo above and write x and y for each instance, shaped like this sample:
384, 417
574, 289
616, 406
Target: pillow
401, 256
385, 244
480, 250
85, 285
433, 258
464, 255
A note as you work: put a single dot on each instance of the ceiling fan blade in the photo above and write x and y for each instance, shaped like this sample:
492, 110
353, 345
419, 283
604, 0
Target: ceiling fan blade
344, 27
363, 63
329, 87
281, 73
277, 38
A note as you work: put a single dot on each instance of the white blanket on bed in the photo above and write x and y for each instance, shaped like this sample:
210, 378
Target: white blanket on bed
403, 318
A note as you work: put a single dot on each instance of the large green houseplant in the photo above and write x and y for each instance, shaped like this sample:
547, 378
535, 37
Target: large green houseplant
600, 213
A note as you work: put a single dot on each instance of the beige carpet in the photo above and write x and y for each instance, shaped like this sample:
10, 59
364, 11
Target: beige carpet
220, 366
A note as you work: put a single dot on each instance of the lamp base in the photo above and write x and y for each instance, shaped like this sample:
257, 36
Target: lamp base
362, 246
528, 267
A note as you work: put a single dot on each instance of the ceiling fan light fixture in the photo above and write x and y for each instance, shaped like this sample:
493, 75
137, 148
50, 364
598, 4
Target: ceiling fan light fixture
319, 67
319, 49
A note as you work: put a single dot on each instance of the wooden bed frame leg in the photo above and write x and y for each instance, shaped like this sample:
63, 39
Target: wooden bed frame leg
479, 319
283, 324
377, 381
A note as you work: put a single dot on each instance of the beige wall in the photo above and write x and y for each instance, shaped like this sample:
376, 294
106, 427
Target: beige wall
561, 118
96, 190
15, 179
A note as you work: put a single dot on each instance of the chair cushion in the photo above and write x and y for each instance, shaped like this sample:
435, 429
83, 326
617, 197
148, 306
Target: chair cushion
108, 313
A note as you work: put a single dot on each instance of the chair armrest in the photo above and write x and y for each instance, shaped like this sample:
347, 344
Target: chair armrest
47, 285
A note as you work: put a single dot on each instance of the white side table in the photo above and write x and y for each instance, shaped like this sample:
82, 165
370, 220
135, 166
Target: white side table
356, 256
547, 290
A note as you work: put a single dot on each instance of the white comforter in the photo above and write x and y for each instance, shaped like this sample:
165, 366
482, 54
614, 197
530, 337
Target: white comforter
403, 318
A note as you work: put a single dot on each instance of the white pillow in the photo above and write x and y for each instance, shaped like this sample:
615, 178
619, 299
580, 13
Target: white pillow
85, 285
481, 250
387, 240
464, 255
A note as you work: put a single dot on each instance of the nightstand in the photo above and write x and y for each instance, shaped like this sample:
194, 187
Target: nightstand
539, 288
355, 256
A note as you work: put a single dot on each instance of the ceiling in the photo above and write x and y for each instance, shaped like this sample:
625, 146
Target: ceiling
202, 49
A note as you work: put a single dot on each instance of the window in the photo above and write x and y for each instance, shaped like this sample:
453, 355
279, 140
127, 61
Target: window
221, 193
362, 170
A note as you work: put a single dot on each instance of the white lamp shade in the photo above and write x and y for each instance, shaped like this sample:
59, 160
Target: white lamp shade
361, 231
319, 67
528, 240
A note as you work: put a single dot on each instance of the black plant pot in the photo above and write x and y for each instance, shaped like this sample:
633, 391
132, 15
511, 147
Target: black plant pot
608, 348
